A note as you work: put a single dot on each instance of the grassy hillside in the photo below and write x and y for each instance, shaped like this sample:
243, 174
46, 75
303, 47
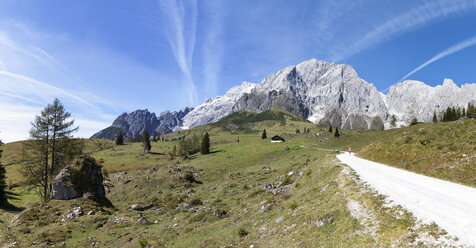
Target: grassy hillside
445, 150
224, 199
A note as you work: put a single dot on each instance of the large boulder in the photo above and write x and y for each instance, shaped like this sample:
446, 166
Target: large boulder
62, 188
82, 176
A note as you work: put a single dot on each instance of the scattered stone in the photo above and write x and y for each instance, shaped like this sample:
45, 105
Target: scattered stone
464, 155
324, 188
152, 170
206, 201
290, 173
127, 181
336, 151
285, 149
175, 224
294, 213
134, 207
460, 122
267, 186
280, 219
292, 156
91, 213
263, 202
57, 213
142, 221
266, 168
327, 219
219, 213
301, 173
421, 130
76, 212
120, 220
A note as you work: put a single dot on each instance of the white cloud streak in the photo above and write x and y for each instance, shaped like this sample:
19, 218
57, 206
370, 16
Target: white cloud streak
20, 97
407, 21
213, 47
181, 26
33, 81
453, 49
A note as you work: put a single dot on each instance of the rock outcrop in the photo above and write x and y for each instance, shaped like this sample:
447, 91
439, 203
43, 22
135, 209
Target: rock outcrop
83, 176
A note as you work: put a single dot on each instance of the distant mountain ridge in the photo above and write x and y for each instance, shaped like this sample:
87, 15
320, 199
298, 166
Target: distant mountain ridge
135, 123
321, 92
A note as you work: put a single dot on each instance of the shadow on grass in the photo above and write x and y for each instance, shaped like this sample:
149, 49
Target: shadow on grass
10, 207
217, 151
157, 153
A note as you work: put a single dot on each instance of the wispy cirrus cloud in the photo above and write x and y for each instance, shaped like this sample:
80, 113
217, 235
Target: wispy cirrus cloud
213, 48
453, 49
181, 23
416, 17
33, 83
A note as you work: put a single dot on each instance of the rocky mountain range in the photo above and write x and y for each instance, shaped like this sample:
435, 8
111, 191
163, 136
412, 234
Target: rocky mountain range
135, 123
325, 93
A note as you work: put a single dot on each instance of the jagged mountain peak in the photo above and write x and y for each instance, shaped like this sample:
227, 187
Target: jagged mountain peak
321, 92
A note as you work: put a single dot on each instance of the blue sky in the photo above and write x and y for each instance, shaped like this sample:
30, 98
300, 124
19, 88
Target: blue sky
103, 58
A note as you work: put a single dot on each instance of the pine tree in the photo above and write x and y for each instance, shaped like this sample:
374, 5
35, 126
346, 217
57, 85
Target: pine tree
120, 138
205, 145
3, 185
297, 130
154, 138
330, 129
336, 134
174, 151
146, 141
305, 130
263, 135
434, 117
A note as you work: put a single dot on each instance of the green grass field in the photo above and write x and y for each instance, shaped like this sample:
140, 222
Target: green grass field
228, 206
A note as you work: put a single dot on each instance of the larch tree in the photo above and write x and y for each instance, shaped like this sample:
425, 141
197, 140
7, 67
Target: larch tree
336, 134
50, 146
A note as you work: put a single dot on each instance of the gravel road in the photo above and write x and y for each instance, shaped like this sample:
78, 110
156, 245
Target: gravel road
452, 206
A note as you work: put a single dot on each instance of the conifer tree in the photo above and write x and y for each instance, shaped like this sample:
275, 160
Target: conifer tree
120, 138
146, 141
51, 134
297, 130
263, 135
336, 134
434, 117
393, 121
304, 131
330, 129
154, 138
3, 185
205, 145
